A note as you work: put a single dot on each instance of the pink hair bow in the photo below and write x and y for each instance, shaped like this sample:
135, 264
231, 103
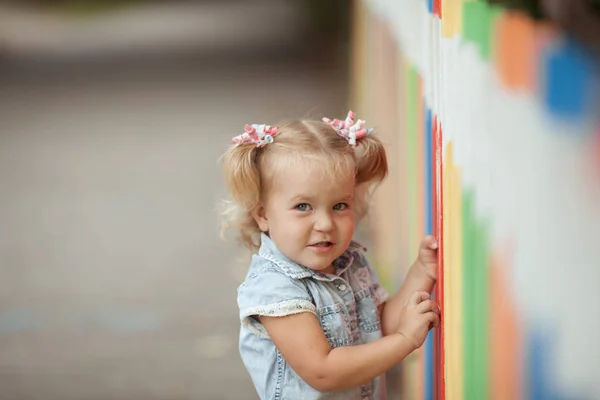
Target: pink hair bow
348, 129
257, 134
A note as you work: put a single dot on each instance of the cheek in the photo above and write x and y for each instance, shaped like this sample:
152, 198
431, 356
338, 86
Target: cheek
346, 222
295, 225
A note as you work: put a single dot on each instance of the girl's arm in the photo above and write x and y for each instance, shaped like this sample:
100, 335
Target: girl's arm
303, 345
421, 277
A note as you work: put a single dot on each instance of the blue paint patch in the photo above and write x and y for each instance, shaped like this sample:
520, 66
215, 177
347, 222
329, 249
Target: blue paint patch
430, 6
18, 320
540, 368
428, 389
568, 80
428, 168
539, 380
428, 171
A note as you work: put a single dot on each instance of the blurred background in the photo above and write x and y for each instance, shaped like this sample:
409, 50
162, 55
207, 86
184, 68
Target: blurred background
491, 113
114, 283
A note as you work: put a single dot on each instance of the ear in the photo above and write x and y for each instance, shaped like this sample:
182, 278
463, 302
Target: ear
260, 216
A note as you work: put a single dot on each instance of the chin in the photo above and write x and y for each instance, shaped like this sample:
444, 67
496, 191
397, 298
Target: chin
322, 266
316, 266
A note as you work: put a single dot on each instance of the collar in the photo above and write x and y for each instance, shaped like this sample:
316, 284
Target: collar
269, 251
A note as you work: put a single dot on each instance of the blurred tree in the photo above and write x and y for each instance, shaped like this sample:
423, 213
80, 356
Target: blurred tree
328, 31
84, 7
531, 7
579, 18
329, 18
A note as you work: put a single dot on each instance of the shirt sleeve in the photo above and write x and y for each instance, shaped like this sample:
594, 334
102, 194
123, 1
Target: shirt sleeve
271, 293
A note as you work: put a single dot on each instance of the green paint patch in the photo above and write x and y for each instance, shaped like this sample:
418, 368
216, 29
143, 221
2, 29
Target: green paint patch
411, 155
481, 308
478, 24
468, 234
475, 249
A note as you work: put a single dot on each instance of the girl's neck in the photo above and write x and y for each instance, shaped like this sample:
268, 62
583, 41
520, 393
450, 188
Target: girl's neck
329, 270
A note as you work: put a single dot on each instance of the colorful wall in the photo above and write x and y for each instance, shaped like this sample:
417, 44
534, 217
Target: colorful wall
491, 124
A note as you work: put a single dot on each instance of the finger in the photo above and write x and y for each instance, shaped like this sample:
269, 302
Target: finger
417, 298
425, 306
429, 243
428, 251
428, 305
433, 318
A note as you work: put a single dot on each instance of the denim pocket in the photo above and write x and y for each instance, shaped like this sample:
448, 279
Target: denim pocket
334, 321
368, 314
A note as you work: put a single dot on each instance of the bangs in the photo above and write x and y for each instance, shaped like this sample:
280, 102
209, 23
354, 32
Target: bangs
332, 166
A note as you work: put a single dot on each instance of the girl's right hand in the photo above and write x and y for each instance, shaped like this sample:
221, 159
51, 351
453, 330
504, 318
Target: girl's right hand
417, 317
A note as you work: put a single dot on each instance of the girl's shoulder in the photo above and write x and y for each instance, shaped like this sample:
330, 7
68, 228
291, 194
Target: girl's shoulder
260, 266
270, 291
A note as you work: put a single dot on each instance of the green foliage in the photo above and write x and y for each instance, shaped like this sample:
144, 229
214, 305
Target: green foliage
78, 7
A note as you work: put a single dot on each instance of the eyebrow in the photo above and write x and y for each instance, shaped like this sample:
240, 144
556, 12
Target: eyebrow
301, 197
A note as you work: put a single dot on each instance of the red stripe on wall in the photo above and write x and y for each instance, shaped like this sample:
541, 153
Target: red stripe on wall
440, 386
437, 8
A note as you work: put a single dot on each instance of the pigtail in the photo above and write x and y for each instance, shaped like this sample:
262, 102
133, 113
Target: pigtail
371, 169
242, 177
371, 166
371, 162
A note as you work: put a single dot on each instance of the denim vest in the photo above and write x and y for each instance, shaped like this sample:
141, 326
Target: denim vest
344, 303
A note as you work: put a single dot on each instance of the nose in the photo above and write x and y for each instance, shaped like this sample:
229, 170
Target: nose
323, 222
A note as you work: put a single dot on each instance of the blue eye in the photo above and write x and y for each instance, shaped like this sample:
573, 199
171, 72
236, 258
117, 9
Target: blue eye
303, 207
340, 206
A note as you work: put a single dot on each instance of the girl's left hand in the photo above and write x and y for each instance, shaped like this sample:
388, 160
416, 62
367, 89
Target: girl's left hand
428, 256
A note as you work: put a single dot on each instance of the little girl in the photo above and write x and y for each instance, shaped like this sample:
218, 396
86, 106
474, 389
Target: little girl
315, 321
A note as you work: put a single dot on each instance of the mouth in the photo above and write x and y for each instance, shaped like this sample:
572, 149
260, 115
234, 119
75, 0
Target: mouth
322, 244
322, 247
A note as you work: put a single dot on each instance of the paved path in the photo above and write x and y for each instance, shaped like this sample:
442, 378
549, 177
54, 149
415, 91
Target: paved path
114, 283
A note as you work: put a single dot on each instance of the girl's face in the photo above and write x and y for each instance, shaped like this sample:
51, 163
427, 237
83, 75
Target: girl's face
309, 217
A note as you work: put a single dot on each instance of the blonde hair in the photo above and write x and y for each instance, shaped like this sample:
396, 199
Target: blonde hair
248, 169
